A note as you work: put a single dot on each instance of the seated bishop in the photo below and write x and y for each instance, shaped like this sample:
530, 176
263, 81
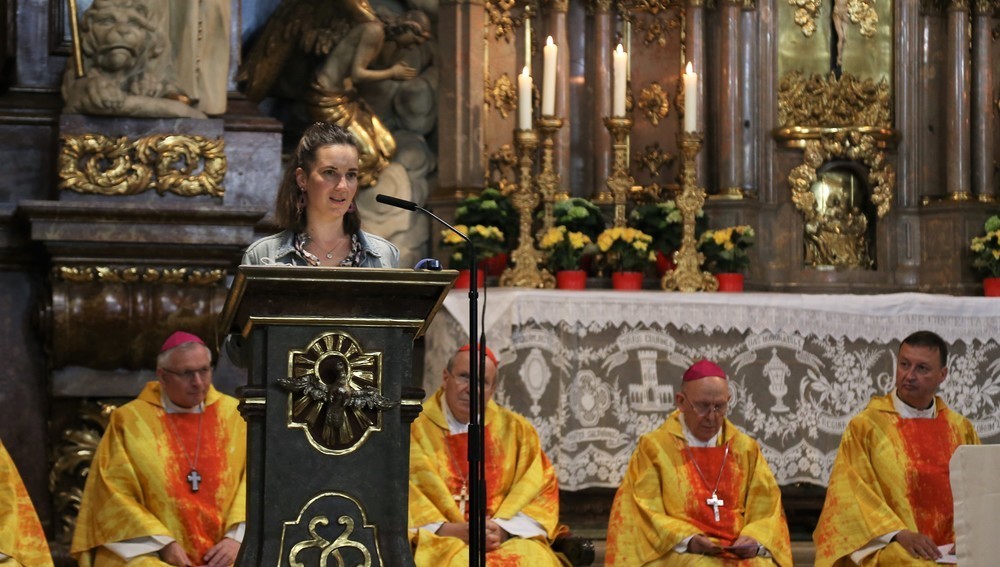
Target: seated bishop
522, 500
889, 500
697, 490
22, 541
167, 485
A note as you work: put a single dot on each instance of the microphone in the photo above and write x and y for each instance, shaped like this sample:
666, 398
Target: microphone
477, 430
395, 202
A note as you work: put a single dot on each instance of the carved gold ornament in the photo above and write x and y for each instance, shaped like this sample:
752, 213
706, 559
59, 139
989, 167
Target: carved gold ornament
653, 20
859, 12
688, 275
501, 95
335, 392
828, 102
502, 170
854, 146
189, 276
806, 12
73, 455
185, 165
653, 158
352, 542
527, 259
501, 19
654, 103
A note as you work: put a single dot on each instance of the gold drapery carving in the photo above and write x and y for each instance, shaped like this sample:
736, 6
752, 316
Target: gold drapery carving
501, 95
826, 101
186, 165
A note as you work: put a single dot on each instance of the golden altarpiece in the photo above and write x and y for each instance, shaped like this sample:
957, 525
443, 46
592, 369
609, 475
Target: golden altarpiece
859, 137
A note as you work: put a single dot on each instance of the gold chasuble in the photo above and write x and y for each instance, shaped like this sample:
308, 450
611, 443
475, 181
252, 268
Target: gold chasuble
664, 498
891, 474
21, 537
519, 478
141, 482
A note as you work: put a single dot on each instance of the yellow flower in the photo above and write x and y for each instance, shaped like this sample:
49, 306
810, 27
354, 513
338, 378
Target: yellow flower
720, 237
452, 238
578, 240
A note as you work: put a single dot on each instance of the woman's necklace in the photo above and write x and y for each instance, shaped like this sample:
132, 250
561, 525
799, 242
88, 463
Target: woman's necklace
193, 478
715, 502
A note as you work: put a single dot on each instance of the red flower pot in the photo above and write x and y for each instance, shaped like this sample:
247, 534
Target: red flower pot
464, 276
626, 280
991, 287
494, 265
571, 279
730, 282
664, 263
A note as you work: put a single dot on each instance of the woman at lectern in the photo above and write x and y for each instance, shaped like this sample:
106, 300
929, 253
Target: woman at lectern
315, 207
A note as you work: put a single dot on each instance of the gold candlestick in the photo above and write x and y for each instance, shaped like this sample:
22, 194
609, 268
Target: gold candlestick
620, 182
688, 275
548, 179
526, 258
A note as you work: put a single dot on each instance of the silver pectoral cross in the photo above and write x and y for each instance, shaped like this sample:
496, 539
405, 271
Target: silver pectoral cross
715, 502
461, 498
194, 479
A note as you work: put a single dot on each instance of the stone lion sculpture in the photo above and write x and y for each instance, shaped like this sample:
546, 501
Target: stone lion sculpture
124, 69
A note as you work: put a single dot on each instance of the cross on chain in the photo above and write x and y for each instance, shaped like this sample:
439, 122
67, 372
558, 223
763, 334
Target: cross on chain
461, 498
194, 479
715, 502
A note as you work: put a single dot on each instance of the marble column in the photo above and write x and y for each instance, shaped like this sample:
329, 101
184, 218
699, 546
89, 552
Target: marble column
958, 174
461, 95
601, 93
694, 47
751, 114
730, 101
555, 25
983, 178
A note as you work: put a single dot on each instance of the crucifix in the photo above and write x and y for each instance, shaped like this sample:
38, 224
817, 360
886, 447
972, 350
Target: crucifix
715, 502
461, 498
194, 479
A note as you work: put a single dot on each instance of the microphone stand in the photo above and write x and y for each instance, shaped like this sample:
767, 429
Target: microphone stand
477, 403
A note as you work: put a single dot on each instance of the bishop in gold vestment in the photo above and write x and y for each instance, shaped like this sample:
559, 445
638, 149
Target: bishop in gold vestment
168, 485
889, 500
22, 541
522, 491
697, 490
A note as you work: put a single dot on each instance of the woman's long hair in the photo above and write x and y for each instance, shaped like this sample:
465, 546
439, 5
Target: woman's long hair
289, 206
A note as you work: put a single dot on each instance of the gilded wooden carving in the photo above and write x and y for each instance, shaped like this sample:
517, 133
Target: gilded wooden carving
827, 101
186, 165
501, 18
654, 103
652, 20
311, 539
501, 95
653, 158
109, 274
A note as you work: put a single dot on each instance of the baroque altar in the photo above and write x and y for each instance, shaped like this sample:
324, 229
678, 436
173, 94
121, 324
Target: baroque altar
595, 370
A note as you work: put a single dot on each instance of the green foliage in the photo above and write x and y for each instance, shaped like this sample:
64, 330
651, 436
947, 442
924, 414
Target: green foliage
490, 208
626, 249
725, 249
579, 215
663, 222
487, 240
985, 249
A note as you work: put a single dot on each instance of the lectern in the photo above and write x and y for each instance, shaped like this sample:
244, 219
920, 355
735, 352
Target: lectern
328, 403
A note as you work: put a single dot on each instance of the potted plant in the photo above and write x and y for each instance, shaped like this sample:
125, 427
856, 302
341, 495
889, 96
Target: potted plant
491, 208
627, 253
725, 251
985, 252
488, 241
565, 249
579, 215
664, 222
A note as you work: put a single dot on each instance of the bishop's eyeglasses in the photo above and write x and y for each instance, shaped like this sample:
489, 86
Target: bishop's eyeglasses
702, 409
190, 375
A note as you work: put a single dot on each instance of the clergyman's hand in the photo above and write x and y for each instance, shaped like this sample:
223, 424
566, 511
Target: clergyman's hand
495, 535
453, 529
223, 553
745, 547
173, 554
918, 545
702, 545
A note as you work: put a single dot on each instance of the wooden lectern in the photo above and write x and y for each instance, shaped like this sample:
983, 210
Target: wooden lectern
329, 404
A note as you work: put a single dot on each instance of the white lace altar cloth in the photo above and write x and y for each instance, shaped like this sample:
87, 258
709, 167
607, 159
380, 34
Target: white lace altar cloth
595, 369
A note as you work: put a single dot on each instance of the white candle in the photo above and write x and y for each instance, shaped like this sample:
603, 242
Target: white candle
549, 78
524, 100
620, 77
690, 99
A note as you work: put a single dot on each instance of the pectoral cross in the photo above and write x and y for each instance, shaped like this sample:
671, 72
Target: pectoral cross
194, 479
715, 502
461, 498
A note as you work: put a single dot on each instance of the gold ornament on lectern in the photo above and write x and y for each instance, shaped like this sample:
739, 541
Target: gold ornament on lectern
526, 271
688, 275
620, 182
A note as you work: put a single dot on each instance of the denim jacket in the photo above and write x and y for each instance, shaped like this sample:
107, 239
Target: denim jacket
279, 249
